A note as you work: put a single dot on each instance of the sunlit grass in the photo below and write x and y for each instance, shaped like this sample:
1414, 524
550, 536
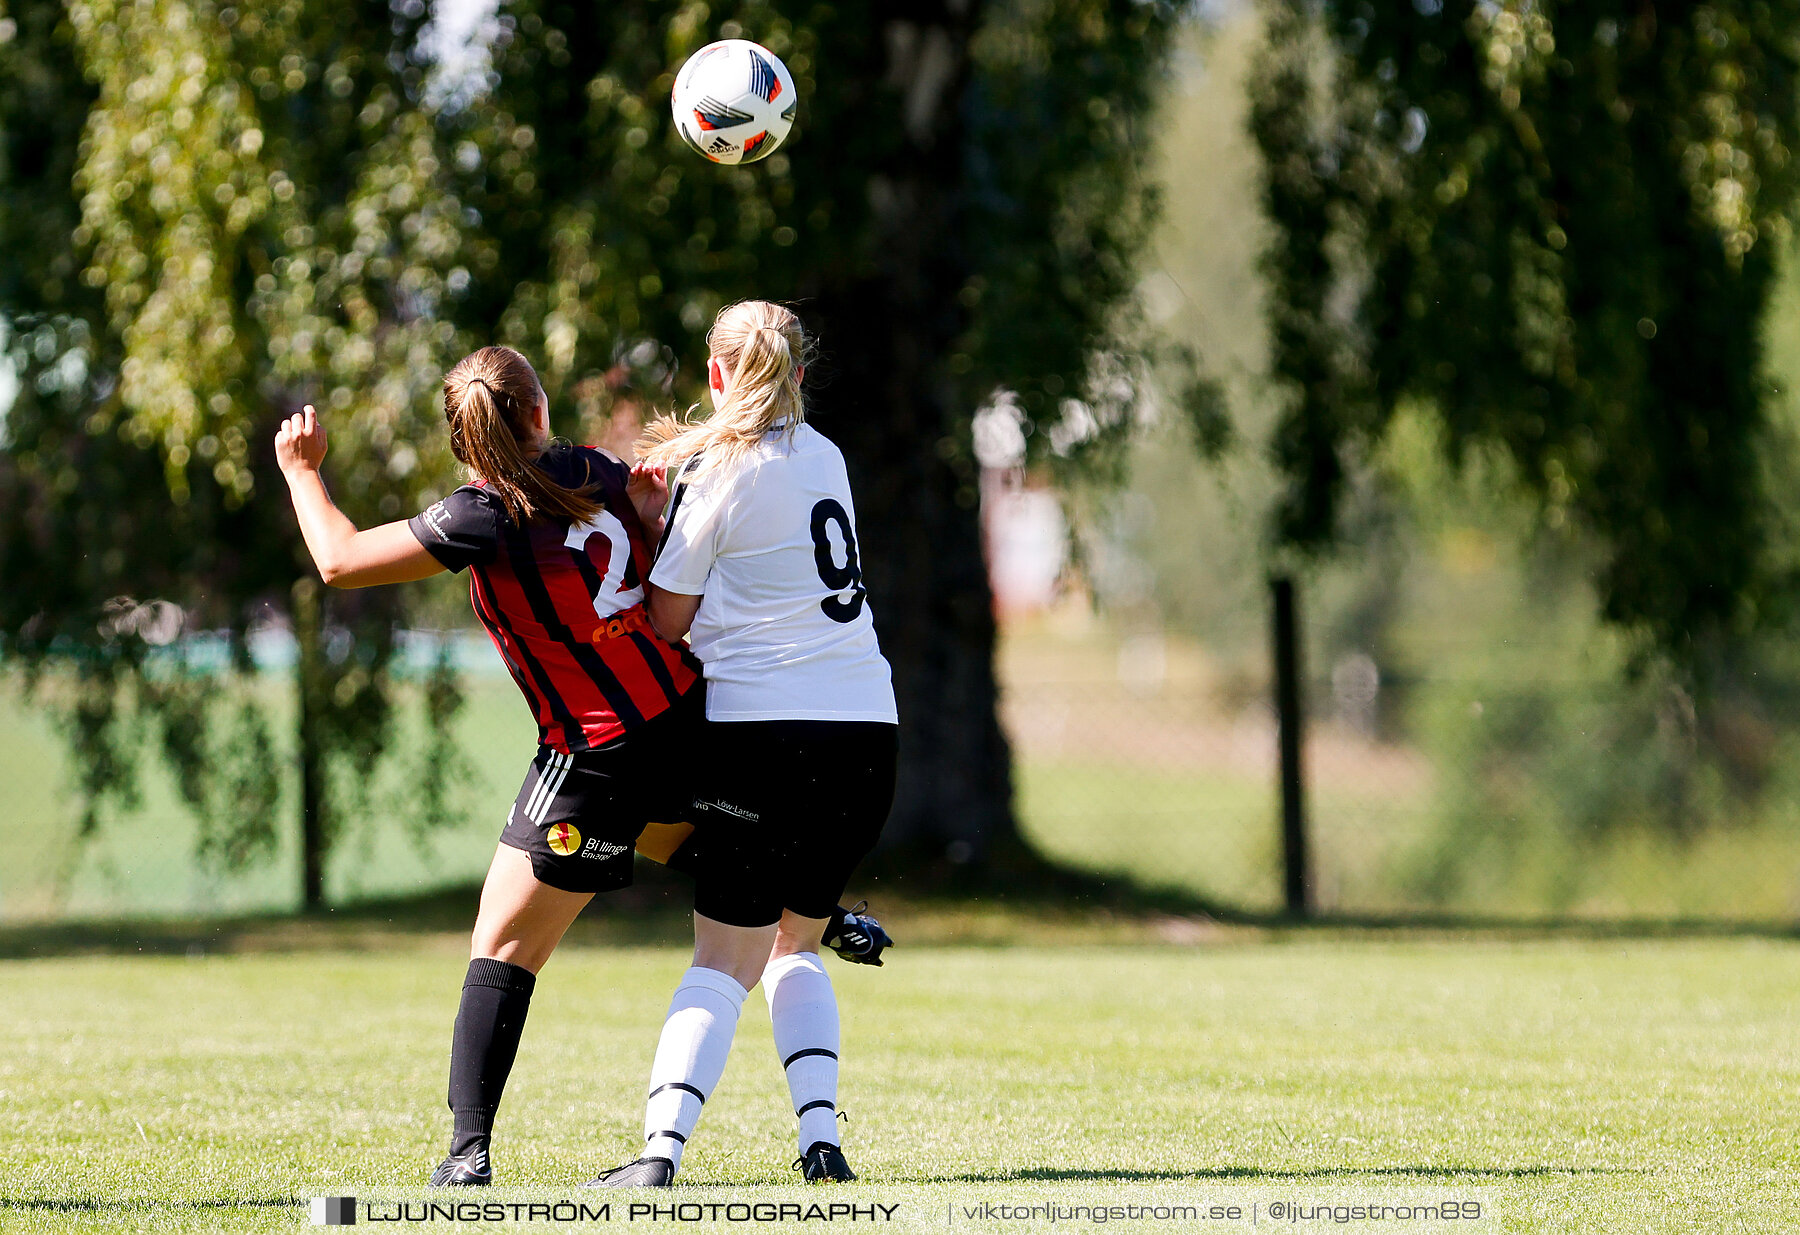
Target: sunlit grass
1603, 1086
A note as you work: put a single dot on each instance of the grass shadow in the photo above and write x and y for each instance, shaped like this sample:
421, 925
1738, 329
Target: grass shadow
654, 911
1027, 882
1014, 898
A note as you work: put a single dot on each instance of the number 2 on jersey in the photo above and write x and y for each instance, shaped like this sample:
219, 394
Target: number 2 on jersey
847, 577
617, 587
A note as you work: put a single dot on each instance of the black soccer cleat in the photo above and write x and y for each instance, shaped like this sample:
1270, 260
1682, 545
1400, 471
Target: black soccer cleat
824, 1164
856, 936
643, 1173
465, 1170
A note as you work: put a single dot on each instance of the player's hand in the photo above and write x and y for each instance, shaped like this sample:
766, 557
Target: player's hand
300, 443
648, 490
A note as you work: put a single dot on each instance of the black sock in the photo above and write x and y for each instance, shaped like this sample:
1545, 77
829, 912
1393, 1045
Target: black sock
495, 998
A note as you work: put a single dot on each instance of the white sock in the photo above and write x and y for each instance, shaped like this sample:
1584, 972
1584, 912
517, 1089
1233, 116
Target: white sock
690, 1058
803, 1009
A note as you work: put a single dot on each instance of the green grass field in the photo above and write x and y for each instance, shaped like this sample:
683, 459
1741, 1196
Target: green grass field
1592, 1086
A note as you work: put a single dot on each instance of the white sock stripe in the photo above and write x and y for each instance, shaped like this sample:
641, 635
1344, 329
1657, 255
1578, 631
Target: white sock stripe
806, 1054
681, 1086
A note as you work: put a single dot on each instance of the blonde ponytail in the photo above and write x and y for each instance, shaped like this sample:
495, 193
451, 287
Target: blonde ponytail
490, 397
762, 348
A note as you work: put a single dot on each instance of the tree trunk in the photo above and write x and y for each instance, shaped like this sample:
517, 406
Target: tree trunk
879, 263
888, 398
309, 689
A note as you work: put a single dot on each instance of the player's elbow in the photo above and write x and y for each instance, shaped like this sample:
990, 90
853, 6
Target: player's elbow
332, 573
670, 625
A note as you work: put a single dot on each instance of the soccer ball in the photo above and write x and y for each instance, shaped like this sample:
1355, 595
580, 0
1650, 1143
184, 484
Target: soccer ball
734, 101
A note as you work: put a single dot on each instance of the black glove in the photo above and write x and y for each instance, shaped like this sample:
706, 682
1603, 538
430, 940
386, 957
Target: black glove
856, 936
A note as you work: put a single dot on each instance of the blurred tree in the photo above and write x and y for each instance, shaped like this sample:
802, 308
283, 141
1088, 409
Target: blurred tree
273, 204
211, 213
1554, 225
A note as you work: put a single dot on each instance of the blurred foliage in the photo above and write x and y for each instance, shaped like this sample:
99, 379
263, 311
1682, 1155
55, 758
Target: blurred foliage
1543, 742
1554, 225
212, 214
1550, 740
269, 219
956, 214
619, 246
217, 211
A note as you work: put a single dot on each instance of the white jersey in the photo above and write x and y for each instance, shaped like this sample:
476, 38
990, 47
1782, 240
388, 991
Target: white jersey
769, 544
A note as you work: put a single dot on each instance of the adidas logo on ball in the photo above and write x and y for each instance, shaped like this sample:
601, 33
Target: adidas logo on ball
734, 101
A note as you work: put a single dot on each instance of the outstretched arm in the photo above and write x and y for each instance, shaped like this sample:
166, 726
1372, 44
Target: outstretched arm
344, 556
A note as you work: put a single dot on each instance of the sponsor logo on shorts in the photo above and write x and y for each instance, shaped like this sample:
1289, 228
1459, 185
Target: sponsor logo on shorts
597, 848
729, 809
563, 838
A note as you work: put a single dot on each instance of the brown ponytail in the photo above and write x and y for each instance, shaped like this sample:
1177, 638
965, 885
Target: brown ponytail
762, 347
490, 397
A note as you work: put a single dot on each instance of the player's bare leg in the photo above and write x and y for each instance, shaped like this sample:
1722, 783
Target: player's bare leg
795, 934
521, 920
803, 1010
520, 923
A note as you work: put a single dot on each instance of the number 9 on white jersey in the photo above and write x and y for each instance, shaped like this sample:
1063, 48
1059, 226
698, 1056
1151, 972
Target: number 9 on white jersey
784, 626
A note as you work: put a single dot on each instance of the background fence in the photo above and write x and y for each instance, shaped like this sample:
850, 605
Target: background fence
1461, 791
1456, 790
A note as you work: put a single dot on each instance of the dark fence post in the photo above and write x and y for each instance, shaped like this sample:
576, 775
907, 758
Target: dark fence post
1297, 877
308, 670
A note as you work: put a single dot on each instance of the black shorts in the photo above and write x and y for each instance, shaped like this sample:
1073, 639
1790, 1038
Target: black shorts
783, 812
579, 815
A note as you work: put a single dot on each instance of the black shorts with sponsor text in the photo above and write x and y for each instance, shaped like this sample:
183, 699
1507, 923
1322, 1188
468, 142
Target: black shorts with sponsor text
579, 815
784, 810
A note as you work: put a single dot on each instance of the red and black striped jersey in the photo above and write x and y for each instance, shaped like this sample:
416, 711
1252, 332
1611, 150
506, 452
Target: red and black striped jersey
564, 602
